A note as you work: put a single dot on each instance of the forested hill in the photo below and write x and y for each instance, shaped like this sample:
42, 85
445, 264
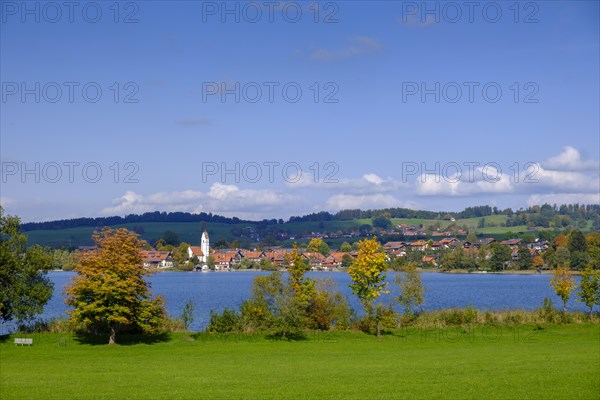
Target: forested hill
545, 215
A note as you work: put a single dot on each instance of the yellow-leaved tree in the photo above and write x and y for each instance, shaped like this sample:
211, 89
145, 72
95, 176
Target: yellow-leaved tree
109, 293
563, 284
368, 277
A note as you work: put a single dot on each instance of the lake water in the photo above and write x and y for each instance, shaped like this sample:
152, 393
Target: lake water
217, 290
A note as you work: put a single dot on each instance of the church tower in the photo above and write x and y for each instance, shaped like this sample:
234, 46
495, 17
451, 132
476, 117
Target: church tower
204, 246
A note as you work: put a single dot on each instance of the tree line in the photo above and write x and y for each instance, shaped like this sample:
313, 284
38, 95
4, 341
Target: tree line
545, 215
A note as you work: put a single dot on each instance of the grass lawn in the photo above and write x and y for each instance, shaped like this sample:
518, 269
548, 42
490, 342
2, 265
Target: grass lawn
555, 362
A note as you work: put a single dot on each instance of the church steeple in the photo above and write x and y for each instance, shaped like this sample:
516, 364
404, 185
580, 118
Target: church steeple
205, 246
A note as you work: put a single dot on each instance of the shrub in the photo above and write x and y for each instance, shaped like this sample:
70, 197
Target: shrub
328, 308
227, 321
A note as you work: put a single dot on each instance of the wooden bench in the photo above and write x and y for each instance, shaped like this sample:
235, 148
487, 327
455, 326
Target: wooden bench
23, 341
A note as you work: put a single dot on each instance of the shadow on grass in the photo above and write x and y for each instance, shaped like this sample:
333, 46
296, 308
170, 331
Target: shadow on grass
289, 337
4, 338
123, 339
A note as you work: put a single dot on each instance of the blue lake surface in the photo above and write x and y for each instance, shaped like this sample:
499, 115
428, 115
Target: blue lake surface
217, 290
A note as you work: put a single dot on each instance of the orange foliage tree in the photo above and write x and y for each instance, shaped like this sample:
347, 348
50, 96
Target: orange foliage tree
563, 284
109, 293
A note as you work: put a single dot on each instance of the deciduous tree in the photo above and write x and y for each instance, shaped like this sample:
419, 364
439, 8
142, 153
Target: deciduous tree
411, 288
563, 284
593, 247
317, 245
589, 287
368, 276
304, 288
346, 247
109, 293
500, 255
471, 237
24, 286
525, 258
578, 249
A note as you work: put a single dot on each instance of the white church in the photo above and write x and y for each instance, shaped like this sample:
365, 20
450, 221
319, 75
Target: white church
201, 251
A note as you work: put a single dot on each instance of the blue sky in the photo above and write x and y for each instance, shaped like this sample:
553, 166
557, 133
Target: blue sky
426, 105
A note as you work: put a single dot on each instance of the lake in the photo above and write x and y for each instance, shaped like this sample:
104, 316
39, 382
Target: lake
217, 290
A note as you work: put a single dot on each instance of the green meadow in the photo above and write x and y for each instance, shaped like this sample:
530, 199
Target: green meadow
471, 362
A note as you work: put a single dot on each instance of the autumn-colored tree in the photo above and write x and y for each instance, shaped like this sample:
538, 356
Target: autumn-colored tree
109, 293
317, 245
538, 261
411, 287
561, 241
563, 284
368, 276
589, 287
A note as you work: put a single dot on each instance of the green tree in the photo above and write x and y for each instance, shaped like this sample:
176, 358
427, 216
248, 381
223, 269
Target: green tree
303, 288
563, 284
500, 255
593, 247
471, 237
210, 261
578, 249
589, 287
577, 241
24, 286
317, 245
364, 229
549, 257
525, 258
266, 265
62, 259
563, 256
347, 260
368, 276
187, 315
345, 247
411, 288
110, 292
274, 306
170, 237
382, 222
329, 308
180, 256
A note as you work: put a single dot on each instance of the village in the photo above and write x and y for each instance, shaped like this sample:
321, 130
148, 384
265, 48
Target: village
427, 253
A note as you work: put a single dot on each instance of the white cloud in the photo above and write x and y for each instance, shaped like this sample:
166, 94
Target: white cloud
569, 174
559, 181
367, 184
570, 160
483, 180
372, 178
226, 200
